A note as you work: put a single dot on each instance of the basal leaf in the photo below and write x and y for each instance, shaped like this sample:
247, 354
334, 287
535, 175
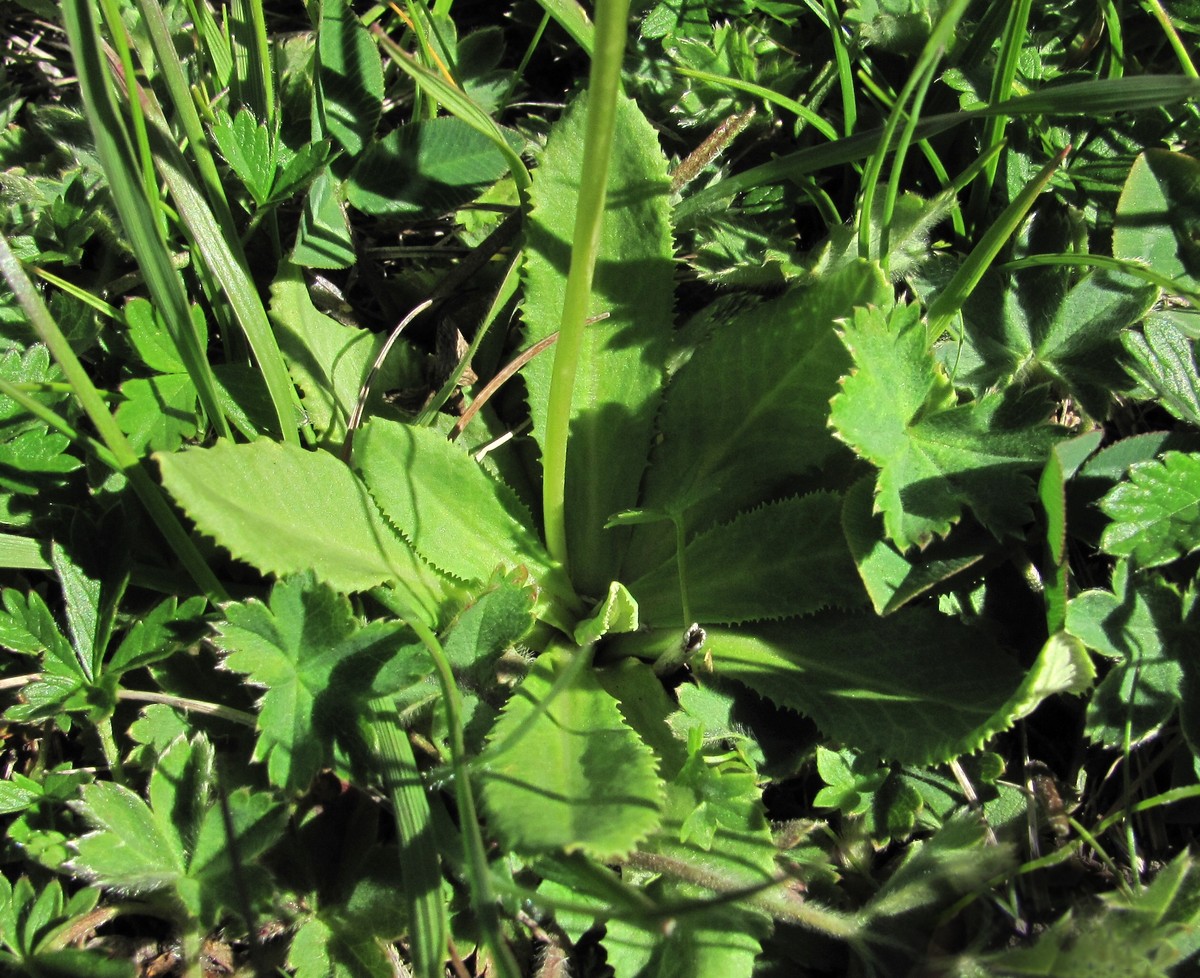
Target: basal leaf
330, 361
318, 669
425, 169
563, 770
1164, 360
286, 510
497, 620
246, 145
1156, 514
128, 850
1158, 216
150, 337
158, 413
915, 687
349, 89
758, 388
449, 508
782, 559
617, 387
898, 410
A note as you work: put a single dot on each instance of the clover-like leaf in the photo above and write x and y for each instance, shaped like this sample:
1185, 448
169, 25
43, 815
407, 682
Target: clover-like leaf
318, 668
563, 769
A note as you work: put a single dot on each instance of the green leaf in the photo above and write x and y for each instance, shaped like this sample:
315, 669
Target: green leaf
349, 79
738, 571
151, 338
617, 388
318, 669
898, 410
1029, 329
129, 849
330, 361
1138, 623
158, 413
286, 510
1156, 514
563, 771
616, 614
469, 532
424, 169
759, 389
246, 145
1164, 360
323, 237
1157, 217
891, 579
915, 687
496, 621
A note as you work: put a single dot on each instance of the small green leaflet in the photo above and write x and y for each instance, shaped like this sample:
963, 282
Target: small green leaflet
181, 841
898, 409
1164, 360
319, 669
553, 759
1156, 514
1139, 624
348, 94
1158, 213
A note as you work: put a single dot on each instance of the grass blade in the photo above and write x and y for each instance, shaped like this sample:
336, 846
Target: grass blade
137, 214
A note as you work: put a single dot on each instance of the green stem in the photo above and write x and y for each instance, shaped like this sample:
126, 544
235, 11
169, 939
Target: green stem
611, 20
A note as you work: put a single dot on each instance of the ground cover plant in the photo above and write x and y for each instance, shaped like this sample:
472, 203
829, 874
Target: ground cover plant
698, 488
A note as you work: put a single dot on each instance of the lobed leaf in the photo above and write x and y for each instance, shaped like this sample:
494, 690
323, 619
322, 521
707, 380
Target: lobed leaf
617, 387
286, 510
563, 769
1156, 514
128, 850
318, 669
915, 687
898, 409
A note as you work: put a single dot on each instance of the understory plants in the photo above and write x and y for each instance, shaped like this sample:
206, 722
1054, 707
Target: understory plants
707, 489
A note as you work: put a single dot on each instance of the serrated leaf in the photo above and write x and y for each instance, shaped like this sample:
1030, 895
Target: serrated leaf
1157, 216
1030, 328
744, 571
1156, 514
330, 361
891, 579
150, 337
467, 532
28, 627
617, 387
158, 413
1138, 624
323, 237
616, 614
496, 621
758, 388
424, 169
246, 145
897, 409
129, 850
554, 758
286, 510
915, 687
318, 669
349, 77
1164, 360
